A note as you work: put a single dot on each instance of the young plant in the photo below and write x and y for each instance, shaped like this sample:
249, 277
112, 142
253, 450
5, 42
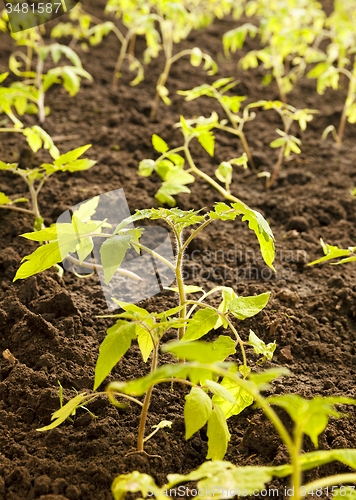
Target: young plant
36, 83
334, 252
175, 21
287, 30
231, 106
35, 178
286, 143
310, 417
170, 165
336, 64
85, 27
149, 328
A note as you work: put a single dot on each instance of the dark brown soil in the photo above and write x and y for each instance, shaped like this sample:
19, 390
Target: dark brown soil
49, 324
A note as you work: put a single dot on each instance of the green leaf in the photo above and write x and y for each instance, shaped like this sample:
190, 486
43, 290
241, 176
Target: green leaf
218, 435
146, 167
220, 391
224, 172
112, 253
311, 415
201, 351
197, 411
34, 141
144, 341
331, 252
226, 477
259, 347
87, 209
130, 483
71, 156
246, 307
66, 411
242, 398
202, 322
317, 458
255, 222
43, 258
207, 140
4, 200
196, 57
114, 346
159, 144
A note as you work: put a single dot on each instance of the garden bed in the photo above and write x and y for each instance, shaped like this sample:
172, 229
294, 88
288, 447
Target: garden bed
49, 324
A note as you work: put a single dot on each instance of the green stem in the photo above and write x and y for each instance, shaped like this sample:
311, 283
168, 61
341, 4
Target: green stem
206, 294
238, 131
168, 49
152, 252
123, 51
227, 319
193, 235
146, 403
39, 73
276, 168
18, 209
180, 283
207, 178
296, 466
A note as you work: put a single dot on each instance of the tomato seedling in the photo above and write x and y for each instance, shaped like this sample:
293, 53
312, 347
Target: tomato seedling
231, 106
35, 178
36, 83
149, 328
170, 165
336, 63
310, 417
175, 21
287, 30
334, 252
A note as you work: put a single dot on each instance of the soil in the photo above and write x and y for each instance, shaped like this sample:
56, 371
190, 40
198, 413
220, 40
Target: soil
50, 324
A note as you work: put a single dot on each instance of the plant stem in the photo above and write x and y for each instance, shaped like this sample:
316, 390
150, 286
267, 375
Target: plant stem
39, 72
89, 265
152, 252
238, 130
276, 168
350, 93
193, 235
207, 178
168, 49
146, 403
179, 277
122, 55
296, 466
18, 209
225, 318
